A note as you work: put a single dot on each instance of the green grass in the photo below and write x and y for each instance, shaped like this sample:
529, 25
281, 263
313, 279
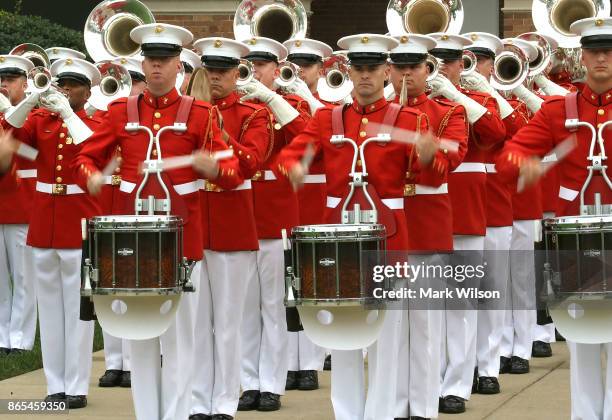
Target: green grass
13, 365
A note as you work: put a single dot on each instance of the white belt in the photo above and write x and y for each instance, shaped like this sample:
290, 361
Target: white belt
314, 179
246, 185
471, 167
392, 203
69, 189
27, 173
108, 180
264, 176
127, 187
490, 168
567, 194
181, 189
425, 190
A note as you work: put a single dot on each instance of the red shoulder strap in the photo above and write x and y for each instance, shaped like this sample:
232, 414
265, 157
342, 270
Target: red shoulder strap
390, 117
571, 110
338, 120
184, 108
132, 110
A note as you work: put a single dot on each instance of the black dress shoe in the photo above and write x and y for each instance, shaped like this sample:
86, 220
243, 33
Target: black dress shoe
541, 349
308, 380
504, 364
199, 416
249, 400
77, 401
519, 365
558, 336
327, 364
475, 381
126, 379
111, 377
221, 417
451, 404
59, 397
269, 402
488, 385
292, 380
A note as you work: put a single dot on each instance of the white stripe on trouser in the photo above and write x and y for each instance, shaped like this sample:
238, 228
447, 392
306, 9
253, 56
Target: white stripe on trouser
591, 395
17, 303
116, 351
66, 341
164, 392
264, 327
303, 353
458, 348
418, 378
491, 321
225, 277
348, 384
518, 324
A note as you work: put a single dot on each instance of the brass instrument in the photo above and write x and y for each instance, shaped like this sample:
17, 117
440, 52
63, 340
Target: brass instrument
35, 53
277, 19
115, 83
424, 16
246, 73
541, 62
288, 73
335, 84
469, 63
510, 68
108, 26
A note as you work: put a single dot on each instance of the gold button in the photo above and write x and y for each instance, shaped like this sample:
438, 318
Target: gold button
64, 125
69, 140
592, 96
362, 134
248, 156
118, 148
222, 103
364, 120
359, 162
277, 126
600, 112
155, 126
599, 125
58, 168
157, 115
62, 135
239, 152
60, 146
60, 157
154, 152
372, 106
58, 179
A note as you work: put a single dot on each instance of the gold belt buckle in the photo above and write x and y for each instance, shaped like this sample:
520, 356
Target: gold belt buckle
210, 187
115, 180
409, 190
59, 189
257, 177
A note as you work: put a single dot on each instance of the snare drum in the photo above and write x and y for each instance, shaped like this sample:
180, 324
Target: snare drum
332, 263
136, 255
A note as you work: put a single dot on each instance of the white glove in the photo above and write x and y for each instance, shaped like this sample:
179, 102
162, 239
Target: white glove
533, 101
283, 112
389, 92
441, 86
56, 102
300, 88
549, 87
476, 81
5, 104
17, 115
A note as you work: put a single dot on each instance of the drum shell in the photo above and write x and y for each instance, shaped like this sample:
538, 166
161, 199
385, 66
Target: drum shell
135, 254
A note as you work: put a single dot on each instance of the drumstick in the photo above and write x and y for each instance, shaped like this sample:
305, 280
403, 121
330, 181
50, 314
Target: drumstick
561, 150
26, 151
184, 161
401, 135
308, 157
111, 167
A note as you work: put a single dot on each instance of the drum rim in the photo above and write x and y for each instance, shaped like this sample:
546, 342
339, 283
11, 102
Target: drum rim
130, 291
133, 218
339, 232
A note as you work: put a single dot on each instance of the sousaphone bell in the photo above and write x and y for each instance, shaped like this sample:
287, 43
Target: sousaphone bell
276, 19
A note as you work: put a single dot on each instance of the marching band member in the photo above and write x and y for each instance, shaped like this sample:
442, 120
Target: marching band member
55, 232
58, 53
230, 242
387, 167
191, 62
467, 189
305, 357
162, 392
264, 325
430, 229
590, 395
17, 303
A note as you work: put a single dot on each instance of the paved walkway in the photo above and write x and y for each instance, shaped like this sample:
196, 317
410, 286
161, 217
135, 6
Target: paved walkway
541, 394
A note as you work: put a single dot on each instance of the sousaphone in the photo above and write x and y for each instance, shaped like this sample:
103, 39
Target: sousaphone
424, 16
276, 19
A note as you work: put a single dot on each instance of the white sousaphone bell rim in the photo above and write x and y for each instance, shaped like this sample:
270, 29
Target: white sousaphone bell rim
396, 21
246, 15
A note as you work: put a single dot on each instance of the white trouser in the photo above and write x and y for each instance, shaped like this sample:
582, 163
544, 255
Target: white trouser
264, 328
591, 392
348, 383
225, 279
66, 341
491, 321
17, 303
163, 391
418, 367
519, 320
303, 353
116, 352
458, 348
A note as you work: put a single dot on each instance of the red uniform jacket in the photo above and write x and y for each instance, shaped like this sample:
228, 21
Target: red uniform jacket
387, 163
276, 204
545, 130
156, 112
228, 216
428, 211
467, 184
58, 217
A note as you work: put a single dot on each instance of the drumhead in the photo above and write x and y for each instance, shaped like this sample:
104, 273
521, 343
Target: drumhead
135, 222
339, 232
579, 223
